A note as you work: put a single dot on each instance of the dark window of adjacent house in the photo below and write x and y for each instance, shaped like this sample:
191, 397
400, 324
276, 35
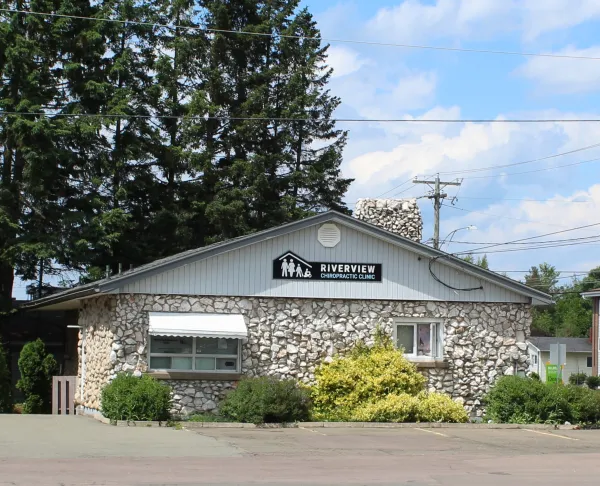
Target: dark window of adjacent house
589, 361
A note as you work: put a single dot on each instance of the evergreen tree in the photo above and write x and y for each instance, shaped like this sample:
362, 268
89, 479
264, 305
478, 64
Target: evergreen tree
33, 173
269, 169
37, 367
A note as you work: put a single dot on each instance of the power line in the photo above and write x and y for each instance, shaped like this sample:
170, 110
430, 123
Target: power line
532, 237
394, 188
305, 119
529, 242
511, 250
526, 271
527, 200
500, 216
532, 171
492, 167
300, 37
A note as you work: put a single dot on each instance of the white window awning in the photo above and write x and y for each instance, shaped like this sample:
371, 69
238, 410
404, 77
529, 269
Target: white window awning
195, 324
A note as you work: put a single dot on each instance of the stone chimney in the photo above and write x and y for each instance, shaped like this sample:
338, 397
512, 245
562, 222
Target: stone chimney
400, 216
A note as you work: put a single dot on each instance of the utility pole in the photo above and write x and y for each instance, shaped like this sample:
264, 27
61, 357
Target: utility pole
437, 197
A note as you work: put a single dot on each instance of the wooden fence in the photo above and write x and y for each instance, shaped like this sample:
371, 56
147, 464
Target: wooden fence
63, 395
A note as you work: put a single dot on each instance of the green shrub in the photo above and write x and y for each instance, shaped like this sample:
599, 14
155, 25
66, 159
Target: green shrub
366, 375
37, 368
535, 376
593, 381
266, 400
586, 410
577, 378
131, 398
5, 383
514, 399
522, 400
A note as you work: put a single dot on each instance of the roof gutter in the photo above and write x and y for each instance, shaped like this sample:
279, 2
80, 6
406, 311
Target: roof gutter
58, 298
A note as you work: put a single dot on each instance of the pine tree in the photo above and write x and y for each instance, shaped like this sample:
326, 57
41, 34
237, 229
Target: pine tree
269, 169
33, 178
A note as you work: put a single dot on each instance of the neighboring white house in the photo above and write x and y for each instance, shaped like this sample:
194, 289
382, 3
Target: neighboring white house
579, 355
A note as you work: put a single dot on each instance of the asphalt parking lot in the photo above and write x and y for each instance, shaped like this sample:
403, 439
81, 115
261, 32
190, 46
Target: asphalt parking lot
80, 451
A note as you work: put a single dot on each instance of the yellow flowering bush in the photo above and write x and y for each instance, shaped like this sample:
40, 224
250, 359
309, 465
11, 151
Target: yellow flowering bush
393, 408
378, 384
366, 375
437, 407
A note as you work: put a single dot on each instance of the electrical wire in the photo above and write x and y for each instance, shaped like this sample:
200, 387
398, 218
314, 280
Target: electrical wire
532, 171
499, 216
510, 250
394, 188
530, 238
284, 119
437, 279
300, 37
526, 200
492, 167
528, 242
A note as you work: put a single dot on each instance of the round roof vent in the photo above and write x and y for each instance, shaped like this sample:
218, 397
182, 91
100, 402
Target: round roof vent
329, 235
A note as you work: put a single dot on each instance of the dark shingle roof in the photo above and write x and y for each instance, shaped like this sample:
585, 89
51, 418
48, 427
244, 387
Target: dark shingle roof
574, 345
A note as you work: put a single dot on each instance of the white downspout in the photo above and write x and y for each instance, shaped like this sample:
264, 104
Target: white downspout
82, 383
82, 380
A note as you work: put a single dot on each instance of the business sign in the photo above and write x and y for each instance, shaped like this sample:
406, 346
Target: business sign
552, 373
290, 266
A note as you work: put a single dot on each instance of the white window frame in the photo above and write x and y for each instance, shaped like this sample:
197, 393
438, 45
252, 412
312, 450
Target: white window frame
194, 355
436, 333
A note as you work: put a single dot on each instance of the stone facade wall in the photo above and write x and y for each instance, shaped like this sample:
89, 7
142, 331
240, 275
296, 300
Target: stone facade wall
400, 216
97, 316
289, 337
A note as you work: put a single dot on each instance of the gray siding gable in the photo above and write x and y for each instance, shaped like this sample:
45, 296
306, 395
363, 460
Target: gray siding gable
243, 267
248, 271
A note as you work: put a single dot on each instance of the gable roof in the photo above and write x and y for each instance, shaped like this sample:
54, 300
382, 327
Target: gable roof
574, 345
117, 281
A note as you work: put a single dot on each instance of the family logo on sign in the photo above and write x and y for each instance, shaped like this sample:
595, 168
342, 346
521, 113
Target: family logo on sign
294, 267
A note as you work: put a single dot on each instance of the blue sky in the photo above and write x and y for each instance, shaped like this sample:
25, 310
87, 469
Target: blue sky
390, 82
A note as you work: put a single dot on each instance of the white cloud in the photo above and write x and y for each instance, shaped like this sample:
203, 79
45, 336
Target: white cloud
415, 91
405, 150
344, 61
541, 17
413, 20
432, 152
416, 20
565, 76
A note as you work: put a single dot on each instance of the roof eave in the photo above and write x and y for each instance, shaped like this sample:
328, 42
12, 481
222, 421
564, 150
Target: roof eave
52, 300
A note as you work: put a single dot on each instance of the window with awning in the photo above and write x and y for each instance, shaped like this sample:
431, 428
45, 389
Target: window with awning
196, 342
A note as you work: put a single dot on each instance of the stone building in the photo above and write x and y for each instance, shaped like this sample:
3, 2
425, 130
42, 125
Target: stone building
281, 301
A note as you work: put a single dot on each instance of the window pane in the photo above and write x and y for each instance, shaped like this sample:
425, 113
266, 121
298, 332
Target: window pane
205, 364
216, 346
227, 364
589, 361
181, 363
424, 339
405, 338
160, 363
170, 345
